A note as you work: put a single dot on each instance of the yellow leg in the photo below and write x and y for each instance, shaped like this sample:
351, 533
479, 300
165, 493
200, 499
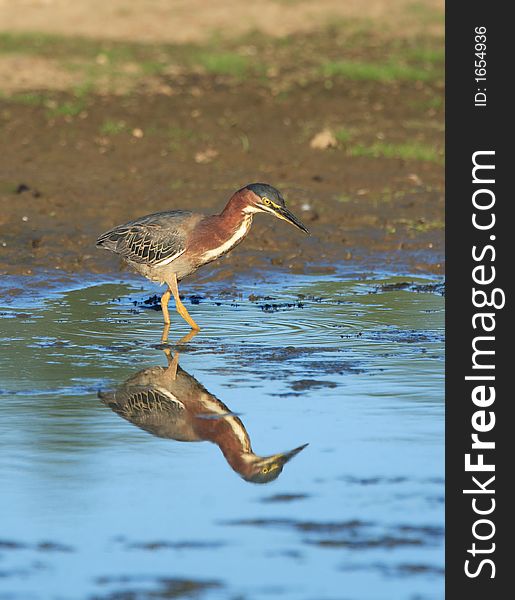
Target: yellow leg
188, 337
173, 362
164, 306
179, 306
164, 335
184, 340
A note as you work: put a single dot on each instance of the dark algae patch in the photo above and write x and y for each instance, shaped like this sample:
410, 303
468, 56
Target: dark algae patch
356, 534
145, 588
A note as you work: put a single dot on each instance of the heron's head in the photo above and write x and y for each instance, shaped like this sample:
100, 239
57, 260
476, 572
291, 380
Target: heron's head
265, 198
263, 469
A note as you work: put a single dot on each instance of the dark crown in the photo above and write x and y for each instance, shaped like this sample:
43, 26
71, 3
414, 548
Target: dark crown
263, 190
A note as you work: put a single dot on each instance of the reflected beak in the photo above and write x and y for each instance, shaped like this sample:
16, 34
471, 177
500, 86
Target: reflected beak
273, 466
286, 215
284, 457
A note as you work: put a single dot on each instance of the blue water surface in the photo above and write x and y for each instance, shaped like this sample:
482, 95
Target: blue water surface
94, 507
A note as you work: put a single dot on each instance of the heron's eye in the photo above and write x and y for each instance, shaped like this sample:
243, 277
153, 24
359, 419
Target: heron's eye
264, 470
267, 201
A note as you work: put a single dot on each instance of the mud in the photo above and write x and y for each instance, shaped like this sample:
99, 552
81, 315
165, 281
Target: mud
75, 163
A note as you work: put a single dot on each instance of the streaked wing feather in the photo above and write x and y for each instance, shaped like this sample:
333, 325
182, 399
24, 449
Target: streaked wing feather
141, 399
152, 240
149, 245
153, 409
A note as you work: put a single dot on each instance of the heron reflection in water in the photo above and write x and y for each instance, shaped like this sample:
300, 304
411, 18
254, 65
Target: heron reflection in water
169, 403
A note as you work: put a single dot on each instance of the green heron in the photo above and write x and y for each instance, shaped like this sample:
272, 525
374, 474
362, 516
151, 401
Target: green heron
169, 403
168, 246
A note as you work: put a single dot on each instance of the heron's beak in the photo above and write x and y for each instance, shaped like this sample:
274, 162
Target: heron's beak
284, 214
268, 468
284, 457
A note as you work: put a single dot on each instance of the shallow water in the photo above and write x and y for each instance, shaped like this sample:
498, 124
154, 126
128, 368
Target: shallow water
95, 507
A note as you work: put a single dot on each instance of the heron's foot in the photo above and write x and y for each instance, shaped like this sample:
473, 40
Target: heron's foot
184, 340
181, 309
173, 362
179, 306
188, 337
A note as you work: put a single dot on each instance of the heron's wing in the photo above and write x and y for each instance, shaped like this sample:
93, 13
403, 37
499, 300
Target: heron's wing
153, 409
154, 240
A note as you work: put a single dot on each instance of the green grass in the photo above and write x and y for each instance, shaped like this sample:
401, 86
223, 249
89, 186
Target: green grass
105, 57
8, 187
176, 184
20, 43
174, 132
224, 63
344, 198
421, 225
48, 45
405, 151
426, 55
177, 136
245, 142
369, 71
104, 63
29, 99
343, 135
426, 14
110, 127
83, 90
435, 103
71, 108
54, 108
152, 67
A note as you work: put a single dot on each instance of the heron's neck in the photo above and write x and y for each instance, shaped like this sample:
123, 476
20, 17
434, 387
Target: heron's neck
230, 435
237, 209
218, 234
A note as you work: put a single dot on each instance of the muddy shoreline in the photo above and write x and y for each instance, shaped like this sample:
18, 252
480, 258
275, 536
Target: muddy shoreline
50, 218
156, 128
